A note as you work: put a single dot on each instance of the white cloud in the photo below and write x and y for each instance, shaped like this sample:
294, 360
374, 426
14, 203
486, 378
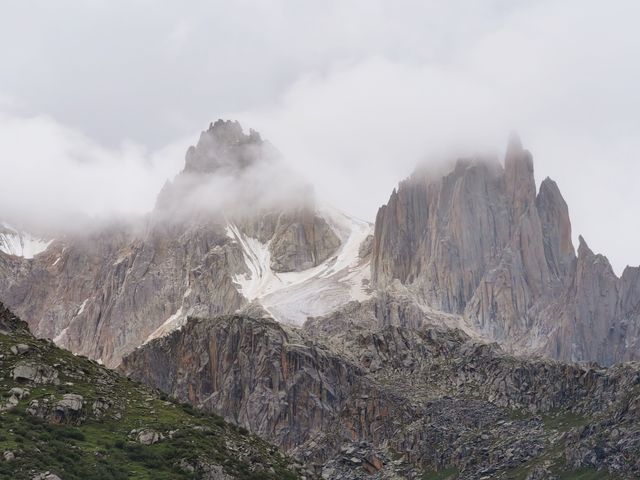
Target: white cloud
354, 93
51, 171
357, 131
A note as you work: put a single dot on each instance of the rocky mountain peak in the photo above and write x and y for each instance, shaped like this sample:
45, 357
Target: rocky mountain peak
514, 144
224, 148
519, 178
480, 242
586, 254
225, 167
583, 248
556, 228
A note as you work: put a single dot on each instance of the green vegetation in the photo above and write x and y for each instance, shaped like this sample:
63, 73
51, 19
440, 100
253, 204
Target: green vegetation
586, 474
447, 474
563, 421
101, 444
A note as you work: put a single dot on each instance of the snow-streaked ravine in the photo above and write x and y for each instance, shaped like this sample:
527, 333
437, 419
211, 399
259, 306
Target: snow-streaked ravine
174, 322
291, 297
61, 337
20, 244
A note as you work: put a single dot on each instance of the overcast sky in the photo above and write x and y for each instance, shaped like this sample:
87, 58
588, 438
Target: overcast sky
99, 99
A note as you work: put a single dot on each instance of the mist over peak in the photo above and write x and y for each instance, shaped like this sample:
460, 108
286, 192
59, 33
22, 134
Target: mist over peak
225, 148
232, 173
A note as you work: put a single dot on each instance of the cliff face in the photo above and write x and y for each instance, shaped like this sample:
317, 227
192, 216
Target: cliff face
353, 398
481, 243
445, 234
602, 311
260, 374
104, 294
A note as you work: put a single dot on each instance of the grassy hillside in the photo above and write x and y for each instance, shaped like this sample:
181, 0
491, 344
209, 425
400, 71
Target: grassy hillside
69, 416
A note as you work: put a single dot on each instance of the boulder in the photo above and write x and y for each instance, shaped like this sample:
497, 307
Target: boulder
68, 410
46, 476
20, 349
28, 371
146, 436
19, 393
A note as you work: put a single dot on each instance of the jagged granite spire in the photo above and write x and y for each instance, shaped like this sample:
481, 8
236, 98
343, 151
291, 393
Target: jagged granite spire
479, 242
223, 150
224, 147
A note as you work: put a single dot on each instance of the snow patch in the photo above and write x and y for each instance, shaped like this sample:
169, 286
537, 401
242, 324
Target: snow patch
20, 244
58, 338
257, 257
291, 297
174, 322
84, 304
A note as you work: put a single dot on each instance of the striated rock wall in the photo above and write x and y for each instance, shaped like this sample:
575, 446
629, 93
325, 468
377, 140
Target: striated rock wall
481, 243
257, 373
104, 294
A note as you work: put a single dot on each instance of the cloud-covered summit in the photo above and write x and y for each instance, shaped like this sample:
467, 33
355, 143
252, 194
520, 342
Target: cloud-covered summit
346, 90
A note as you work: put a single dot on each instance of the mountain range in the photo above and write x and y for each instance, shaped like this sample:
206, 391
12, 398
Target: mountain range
462, 334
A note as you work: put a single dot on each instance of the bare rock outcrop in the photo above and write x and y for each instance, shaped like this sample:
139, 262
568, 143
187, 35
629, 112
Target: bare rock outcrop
66, 410
302, 240
356, 400
105, 293
255, 372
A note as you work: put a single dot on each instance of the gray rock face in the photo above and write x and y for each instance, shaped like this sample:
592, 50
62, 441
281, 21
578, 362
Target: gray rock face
355, 399
224, 147
67, 410
46, 476
301, 240
104, 294
146, 436
479, 242
30, 371
556, 229
599, 312
256, 373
